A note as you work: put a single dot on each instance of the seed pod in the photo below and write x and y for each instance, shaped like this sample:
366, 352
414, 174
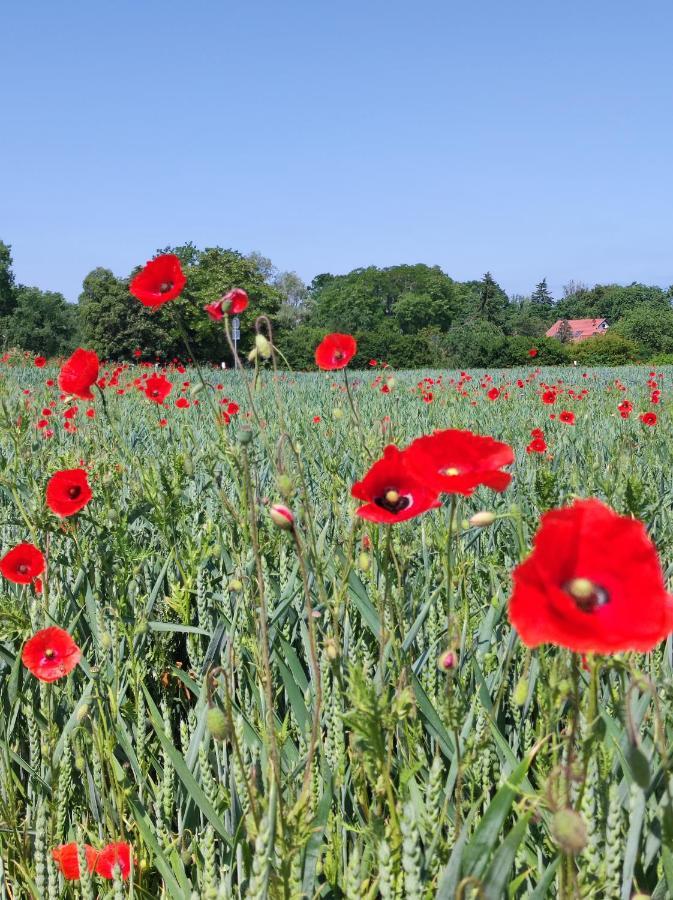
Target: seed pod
569, 830
216, 723
482, 519
521, 691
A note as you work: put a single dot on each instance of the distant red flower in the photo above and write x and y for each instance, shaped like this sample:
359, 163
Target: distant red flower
235, 301
567, 417
40, 362
68, 491
67, 860
157, 388
316, 419
392, 491
50, 654
78, 374
493, 394
373, 362
537, 445
549, 397
335, 351
22, 564
214, 310
533, 352
116, 854
593, 584
161, 280
649, 418
137, 353
456, 462
182, 403
537, 433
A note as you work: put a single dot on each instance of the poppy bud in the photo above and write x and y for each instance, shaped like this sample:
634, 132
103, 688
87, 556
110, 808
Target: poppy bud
569, 830
285, 485
235, 585
282, 516
105, 640
482, 519
216, 723
252, 356
364, 562
521, 691
80, 763
447, 661
263, 346
337, 413
331, 649
82, 712
245, 436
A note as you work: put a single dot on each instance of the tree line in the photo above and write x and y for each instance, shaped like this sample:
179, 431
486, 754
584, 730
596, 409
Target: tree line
408, 315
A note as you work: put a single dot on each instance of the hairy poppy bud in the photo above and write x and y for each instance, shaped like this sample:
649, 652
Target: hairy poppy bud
245, 436
282, 516
482, 519
569, 830
364, 562
263, 346
331, 649
216, 723
521, 691
235, 585
82, 712
285, 485
447, 661
252, 356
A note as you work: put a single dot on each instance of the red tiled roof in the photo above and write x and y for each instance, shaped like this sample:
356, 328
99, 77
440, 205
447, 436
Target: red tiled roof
580, 328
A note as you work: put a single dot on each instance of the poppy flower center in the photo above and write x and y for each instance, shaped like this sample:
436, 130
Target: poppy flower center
393, 501
22, 569
338, 355
165, 287
74, 491
586, 595
452, 471
49, 653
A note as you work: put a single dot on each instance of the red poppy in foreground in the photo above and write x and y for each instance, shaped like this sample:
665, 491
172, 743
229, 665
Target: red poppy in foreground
22, 564
157, 388
67, 859
593, 584
51, 654
68, 491
335, 351
161, 280
79, 373
117, 854
456, 461
392, 491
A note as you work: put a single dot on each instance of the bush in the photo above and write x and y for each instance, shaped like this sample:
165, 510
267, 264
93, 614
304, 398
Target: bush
609, 349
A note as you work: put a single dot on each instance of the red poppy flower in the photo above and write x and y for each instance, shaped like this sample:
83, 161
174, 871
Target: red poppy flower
537, 445
214, 310
234, 302
335, 351
67, 859
78, 374
68, 491
40, 362
392, 491
182, 403
22, 564
493, 394
50, 654
161, 280
456, 462
567, 417
116, 854
649, 418
549, 397
593, 584
157, 388
532, 352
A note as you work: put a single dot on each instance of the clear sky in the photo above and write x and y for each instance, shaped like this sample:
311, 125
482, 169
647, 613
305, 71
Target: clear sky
527, 137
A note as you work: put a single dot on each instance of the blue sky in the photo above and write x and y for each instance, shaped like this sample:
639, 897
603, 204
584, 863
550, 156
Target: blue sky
528, 138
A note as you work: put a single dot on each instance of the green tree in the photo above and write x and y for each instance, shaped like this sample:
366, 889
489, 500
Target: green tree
541, 296
42, 322
605, 350
7, 284
650, 326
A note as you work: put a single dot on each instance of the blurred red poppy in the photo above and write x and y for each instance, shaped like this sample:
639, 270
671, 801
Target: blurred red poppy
157, 388
532, 352
40, 362
567, 417
649, 418
68, 491
78, 374
456, 461
116, 854
22, 564
335, 351
593, 584
549, 397
493, 394
51, 654
161, 280
537, 445
67, 860
392, 491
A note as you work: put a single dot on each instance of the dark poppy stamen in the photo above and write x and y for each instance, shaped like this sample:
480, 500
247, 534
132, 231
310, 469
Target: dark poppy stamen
393, 501
586, 595
49, 653
165, 287
74, 491
23, 569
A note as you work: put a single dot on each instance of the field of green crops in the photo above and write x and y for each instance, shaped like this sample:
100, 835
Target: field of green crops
342, 760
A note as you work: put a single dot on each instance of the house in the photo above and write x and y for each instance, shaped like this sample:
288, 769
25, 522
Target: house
580, 329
